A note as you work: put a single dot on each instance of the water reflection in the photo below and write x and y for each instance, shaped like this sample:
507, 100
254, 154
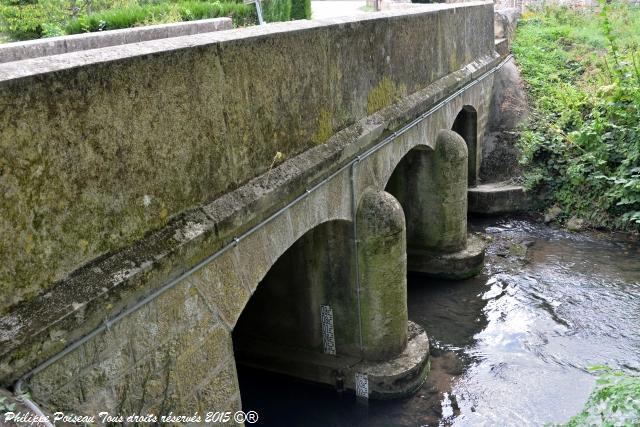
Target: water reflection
509, 347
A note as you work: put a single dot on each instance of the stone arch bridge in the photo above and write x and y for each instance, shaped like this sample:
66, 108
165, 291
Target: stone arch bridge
176, 206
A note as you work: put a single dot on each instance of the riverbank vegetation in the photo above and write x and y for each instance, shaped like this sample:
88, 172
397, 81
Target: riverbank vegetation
581, 146
30, 19
614, 402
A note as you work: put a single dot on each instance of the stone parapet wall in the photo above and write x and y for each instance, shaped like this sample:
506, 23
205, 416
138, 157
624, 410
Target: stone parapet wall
100, 147
19, 51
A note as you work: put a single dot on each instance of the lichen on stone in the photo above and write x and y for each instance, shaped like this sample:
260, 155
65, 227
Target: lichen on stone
384, 94
325, 127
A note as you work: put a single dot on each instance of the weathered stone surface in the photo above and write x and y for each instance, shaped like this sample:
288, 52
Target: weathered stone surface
505, 21
502, 47
316, 270
466, 125
151, 361
446, 208
20, 411
577, 224
78, 304
395, 377
450, 266
552, 214
19, 51
403, 374
382, 259
431, 186
509, 109
499, 198
219, 392
39, 329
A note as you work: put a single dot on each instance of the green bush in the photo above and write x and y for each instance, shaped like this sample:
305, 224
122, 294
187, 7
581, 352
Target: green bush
614, 402
582, 143
29, 19
160, 13
276, 10
300, 9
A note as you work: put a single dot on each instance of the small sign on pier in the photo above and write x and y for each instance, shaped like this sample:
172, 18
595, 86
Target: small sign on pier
328, 337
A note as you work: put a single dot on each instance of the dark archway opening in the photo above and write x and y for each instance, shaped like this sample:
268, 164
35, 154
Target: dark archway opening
466, 125
285, 308
280, 329
407, 183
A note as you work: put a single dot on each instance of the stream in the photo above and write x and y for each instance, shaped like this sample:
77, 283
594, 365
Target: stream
510, 347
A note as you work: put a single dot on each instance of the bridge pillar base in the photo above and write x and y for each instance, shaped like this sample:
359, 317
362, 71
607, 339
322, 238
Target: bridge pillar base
451, 266
397, 377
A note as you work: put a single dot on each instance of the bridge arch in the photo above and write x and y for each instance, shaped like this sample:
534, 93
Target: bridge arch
331, 301
285, 310
466, 125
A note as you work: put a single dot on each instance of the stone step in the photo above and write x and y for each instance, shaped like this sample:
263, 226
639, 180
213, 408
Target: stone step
502, 46
498, 198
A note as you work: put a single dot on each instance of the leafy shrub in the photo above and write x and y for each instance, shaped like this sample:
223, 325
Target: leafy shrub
276, 10
29, 19
24, 20
614, 402
582, 144
300, 9
131, 16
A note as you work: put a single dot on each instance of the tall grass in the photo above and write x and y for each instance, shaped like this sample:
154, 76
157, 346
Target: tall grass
581, 146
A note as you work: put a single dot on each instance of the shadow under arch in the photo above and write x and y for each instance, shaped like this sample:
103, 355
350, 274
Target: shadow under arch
406, 183
466, 125
284, 312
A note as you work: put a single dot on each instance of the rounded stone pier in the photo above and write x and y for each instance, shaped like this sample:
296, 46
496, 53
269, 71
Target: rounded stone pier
449, 253
383, 275
432, 188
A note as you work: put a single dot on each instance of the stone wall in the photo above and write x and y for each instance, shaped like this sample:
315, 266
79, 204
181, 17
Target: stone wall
98, 148
18, 51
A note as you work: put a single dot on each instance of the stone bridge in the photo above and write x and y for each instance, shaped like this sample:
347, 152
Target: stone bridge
173, 207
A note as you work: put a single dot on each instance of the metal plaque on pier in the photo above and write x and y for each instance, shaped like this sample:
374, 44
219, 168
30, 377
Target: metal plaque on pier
362, 385
328, 338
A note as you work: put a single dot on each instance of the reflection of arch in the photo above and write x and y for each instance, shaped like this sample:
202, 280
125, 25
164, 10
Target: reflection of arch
285, 309
466, 125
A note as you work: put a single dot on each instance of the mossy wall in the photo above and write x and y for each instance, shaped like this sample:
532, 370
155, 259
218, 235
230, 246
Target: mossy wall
98, 148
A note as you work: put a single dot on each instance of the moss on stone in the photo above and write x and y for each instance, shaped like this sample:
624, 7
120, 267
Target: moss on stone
384, 94
325, 127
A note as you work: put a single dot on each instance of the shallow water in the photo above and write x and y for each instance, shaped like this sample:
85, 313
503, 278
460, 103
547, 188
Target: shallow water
509, 347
